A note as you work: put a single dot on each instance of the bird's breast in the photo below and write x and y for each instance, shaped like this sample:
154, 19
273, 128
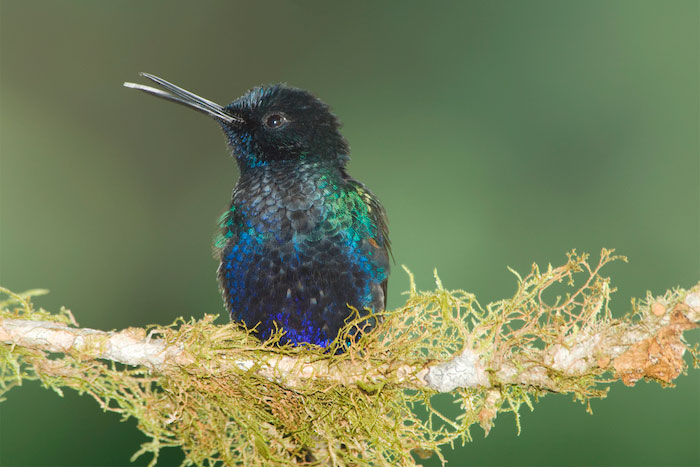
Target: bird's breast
304, 204
300, 246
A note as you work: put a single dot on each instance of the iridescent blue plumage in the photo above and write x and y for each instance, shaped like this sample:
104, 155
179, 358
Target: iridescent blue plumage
302, 240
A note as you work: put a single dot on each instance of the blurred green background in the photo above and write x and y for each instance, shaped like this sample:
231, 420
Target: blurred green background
496, 134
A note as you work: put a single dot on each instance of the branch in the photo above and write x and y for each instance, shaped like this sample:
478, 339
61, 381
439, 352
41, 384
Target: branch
651, 348
491, 358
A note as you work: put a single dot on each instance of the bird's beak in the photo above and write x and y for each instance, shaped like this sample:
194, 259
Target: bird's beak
181, 96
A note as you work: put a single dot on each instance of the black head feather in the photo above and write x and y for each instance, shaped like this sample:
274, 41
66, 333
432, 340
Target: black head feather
283, 123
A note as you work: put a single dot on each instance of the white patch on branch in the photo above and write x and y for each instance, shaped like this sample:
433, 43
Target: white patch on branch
574, 356
464, 371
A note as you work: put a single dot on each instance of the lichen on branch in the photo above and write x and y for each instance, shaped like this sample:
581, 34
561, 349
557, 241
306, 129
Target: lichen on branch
224, 397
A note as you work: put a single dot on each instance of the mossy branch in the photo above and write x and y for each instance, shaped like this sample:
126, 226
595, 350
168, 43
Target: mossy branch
224, 397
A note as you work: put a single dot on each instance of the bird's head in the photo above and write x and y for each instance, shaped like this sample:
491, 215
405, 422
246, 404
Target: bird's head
267, 124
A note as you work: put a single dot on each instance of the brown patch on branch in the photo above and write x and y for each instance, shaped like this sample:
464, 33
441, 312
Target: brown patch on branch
659, 357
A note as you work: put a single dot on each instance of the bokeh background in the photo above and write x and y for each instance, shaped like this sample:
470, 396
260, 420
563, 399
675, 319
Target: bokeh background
496, 134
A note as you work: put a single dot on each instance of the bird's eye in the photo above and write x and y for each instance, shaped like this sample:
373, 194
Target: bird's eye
275, 120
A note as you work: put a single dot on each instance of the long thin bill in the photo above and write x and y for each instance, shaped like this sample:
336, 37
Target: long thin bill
184, 97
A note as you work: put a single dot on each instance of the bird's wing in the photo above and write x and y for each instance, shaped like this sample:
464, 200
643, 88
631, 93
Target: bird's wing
379, 242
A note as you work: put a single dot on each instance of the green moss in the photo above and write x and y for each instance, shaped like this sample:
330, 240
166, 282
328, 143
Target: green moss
225, 415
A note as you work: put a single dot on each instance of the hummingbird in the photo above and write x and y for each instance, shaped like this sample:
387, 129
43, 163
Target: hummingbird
303, 244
